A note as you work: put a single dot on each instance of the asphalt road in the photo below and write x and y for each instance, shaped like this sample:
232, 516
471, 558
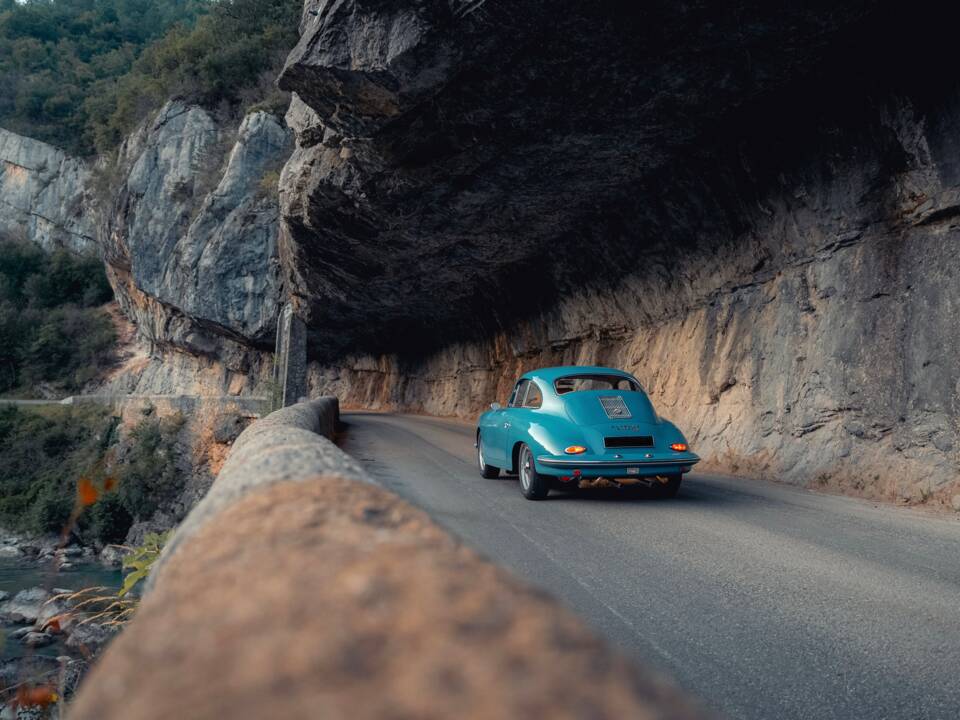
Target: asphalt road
762, 600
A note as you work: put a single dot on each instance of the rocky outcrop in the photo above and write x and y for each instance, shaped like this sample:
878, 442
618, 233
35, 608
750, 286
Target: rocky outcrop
235, 371
191, 236
473, 151
186, 217
43, 194
758, 219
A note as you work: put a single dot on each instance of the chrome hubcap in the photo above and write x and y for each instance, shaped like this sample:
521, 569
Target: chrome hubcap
480, 453
525, 469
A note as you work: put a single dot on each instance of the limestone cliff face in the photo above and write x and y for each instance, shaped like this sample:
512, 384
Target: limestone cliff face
752, 207
813, 346
759, 219
190, 233
186, 217
43, 194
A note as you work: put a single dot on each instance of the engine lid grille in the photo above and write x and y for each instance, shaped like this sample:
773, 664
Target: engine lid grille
614, 407
637, 441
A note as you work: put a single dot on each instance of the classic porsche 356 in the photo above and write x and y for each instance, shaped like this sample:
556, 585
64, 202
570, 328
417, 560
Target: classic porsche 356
581, 427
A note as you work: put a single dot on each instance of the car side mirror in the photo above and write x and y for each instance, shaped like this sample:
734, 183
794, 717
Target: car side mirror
495, 406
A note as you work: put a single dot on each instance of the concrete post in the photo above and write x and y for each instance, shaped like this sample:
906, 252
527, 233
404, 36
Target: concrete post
290, 359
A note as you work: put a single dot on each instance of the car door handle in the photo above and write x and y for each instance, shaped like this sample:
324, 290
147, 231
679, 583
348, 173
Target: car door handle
506, 425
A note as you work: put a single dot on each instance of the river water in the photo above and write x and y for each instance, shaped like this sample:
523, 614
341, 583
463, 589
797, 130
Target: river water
16, 576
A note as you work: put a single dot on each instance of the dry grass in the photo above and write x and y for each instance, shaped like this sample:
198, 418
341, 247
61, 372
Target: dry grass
94, 604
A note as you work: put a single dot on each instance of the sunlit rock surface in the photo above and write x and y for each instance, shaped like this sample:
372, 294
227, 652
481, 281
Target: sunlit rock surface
191, 235
43, 194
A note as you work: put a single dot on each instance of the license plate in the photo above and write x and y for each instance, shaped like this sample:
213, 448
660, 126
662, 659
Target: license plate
633, 471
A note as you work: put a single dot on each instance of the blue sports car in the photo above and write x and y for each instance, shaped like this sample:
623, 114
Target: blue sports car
581, 427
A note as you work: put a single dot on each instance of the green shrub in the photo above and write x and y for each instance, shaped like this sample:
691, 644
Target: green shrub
148, 476
82, 73
43, 454
267, 187
228, 59
51, 509
66, 278
141, 560
54, 53
47, 452
69, 346
19, 261
109, 520
51, 328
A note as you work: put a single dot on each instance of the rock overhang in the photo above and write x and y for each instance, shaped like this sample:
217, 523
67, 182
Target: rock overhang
536, 156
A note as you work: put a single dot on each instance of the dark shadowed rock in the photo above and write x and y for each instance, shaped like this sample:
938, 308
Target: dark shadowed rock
228, 426
476, 149
758, 218
88, 639
37, 639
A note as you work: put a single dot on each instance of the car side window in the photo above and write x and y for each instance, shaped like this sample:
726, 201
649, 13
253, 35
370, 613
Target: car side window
534, 398
516, 400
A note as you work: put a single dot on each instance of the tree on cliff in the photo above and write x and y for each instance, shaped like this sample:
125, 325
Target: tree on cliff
228, 61
81, 73
51, 328
53, 53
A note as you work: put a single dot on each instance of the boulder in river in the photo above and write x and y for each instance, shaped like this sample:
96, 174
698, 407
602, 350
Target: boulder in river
37, 639
25, 606
112, 556
88, 639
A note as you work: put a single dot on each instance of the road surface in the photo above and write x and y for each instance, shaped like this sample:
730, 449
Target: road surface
762, 600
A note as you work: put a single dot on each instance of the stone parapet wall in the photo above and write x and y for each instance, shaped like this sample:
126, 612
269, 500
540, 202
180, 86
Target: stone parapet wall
298, 588
170, 404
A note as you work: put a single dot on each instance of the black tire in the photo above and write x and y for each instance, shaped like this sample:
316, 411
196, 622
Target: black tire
487, 471
533, 485
670, 488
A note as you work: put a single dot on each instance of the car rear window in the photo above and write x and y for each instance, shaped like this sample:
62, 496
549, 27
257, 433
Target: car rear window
534, 398
576, 383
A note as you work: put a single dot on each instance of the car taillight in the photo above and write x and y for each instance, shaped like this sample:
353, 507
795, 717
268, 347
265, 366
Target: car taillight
679, 447
575, 450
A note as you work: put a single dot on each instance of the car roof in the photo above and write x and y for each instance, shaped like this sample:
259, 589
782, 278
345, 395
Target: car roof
552, 373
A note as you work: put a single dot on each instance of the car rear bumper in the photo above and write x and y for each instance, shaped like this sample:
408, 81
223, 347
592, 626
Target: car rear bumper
615, 468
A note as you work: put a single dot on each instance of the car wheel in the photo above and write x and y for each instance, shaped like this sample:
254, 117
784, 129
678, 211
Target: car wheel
487, 471
671, 487
533, 485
